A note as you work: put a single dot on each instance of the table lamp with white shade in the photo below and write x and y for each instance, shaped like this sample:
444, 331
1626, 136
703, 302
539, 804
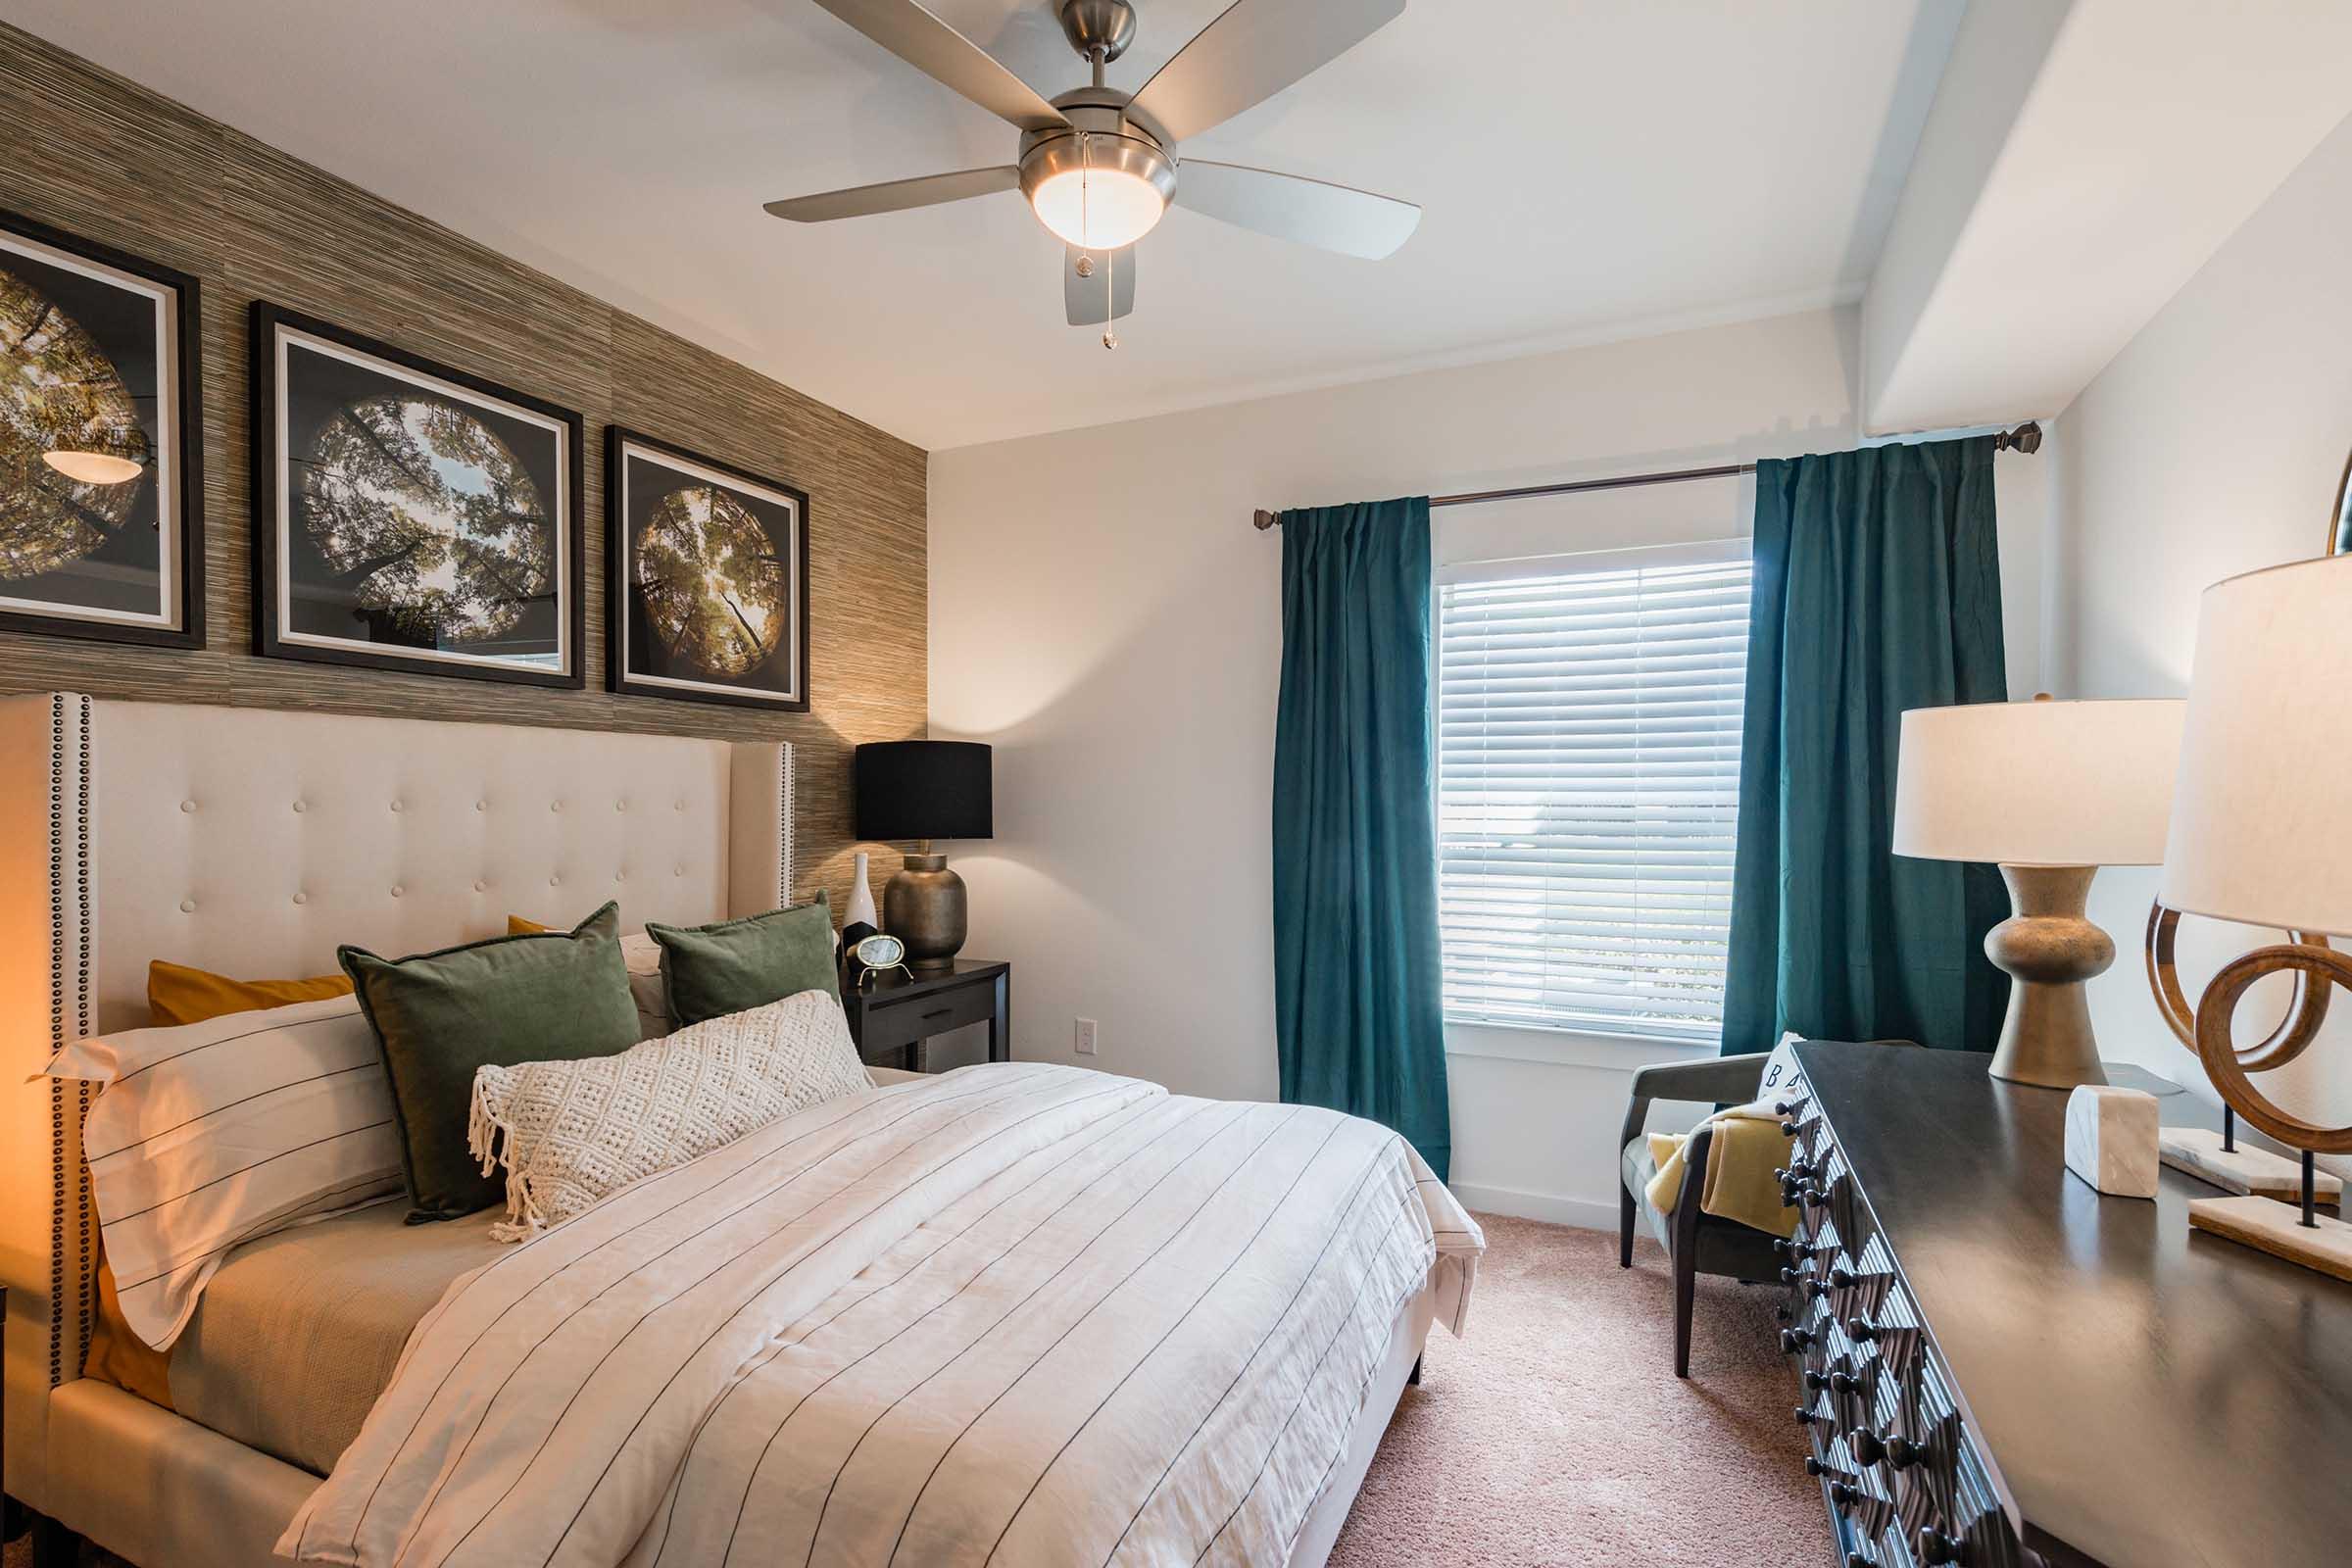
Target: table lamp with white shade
2050, 792
2262, 835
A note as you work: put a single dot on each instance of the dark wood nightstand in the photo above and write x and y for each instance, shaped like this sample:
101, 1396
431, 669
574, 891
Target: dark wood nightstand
899, 1012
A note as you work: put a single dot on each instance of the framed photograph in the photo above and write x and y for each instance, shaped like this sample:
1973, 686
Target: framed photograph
707, 578
410, 516
101, 443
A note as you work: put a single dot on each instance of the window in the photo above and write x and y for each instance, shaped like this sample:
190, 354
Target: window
1588, 788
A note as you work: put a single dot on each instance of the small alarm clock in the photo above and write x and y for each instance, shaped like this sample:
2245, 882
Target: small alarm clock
875, 954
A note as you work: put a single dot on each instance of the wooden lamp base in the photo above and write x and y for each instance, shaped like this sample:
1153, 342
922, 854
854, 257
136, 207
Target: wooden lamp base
2300, 1235
2247, 1172
2219, 1158
2325, 1244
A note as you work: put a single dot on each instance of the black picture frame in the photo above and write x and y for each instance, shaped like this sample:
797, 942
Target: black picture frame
178, 367
621, 603
274, 638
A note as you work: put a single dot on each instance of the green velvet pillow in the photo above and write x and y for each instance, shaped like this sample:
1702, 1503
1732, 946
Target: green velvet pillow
552, 997
710, 970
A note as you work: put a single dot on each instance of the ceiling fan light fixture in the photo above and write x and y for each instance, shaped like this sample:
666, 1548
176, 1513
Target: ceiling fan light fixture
1100, 210
1099, 192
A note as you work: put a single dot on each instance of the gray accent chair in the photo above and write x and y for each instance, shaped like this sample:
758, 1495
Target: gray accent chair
1695, 1243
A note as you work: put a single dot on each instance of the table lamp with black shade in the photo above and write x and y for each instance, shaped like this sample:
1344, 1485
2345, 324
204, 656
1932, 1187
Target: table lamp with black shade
924, 790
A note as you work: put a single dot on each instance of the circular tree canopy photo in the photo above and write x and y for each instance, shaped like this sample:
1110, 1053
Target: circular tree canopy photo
712, 585
428, 518
58, 393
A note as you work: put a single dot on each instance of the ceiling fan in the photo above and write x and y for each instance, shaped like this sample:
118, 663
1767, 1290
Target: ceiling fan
1100, 166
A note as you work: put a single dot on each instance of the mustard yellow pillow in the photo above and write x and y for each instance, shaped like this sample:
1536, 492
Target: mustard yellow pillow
178, 994
116, 1353
517, 927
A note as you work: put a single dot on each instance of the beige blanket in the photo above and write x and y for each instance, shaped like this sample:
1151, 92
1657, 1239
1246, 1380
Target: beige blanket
299, 1332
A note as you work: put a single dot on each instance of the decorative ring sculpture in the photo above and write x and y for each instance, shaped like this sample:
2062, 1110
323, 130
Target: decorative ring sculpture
2306, 1008
2315, 967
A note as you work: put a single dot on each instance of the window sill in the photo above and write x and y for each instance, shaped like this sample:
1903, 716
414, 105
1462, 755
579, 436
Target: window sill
1569, 1048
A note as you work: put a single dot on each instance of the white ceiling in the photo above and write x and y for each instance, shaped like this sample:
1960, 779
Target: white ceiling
1590, 167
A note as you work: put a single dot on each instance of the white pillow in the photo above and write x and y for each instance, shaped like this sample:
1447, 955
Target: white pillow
206, 1135
572, 1132
1780, 1069
643, 956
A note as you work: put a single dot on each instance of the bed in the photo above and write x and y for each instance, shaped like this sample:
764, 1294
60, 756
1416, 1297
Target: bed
1011, 1313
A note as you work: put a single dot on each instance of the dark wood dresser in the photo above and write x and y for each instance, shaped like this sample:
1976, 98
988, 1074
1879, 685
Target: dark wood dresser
2002, 1368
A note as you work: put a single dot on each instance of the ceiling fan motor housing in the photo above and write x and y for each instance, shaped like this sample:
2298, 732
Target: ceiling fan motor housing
1103, 136
1105, 24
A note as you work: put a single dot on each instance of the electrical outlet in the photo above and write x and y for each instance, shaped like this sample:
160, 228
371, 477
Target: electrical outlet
1086, 1037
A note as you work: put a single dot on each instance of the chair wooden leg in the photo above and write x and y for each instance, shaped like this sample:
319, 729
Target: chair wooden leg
1685, 1290
53, 1544
1625, 1227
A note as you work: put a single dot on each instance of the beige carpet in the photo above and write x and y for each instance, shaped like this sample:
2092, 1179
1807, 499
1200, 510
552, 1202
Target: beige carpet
1556, 1436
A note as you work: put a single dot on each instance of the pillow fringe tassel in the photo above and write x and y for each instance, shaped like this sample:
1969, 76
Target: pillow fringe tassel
488, 1140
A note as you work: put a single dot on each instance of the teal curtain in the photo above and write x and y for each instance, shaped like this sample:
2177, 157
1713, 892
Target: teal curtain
1359, 1023
1878, 588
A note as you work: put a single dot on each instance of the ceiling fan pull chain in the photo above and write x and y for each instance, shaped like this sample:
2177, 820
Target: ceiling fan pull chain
1110, 257
1111, 297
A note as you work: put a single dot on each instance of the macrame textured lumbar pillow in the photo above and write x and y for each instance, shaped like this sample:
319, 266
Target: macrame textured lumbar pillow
570, 1132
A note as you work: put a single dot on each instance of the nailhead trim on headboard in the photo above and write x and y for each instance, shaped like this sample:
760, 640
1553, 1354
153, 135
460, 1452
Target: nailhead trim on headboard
784, 784
69, 1016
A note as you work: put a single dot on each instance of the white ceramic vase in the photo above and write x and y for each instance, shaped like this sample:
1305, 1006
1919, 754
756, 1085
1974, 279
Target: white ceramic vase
861, 899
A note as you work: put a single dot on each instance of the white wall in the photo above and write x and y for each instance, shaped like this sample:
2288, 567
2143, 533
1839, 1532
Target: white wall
2211, 446
1101, 610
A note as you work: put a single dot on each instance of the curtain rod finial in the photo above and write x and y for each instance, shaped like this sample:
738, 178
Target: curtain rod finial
2026, 438
1261, 519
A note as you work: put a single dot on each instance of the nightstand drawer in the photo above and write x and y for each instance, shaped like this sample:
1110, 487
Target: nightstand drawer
895, 1025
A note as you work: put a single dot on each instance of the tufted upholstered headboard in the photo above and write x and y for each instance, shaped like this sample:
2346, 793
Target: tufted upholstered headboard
253, 842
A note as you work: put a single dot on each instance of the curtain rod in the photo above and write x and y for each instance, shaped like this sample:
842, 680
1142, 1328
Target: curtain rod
2026, 438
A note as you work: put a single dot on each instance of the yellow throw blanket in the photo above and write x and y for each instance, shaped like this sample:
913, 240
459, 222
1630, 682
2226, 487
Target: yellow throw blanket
1747, 1147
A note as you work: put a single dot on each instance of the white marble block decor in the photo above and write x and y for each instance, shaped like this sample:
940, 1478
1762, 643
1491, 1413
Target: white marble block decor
2111, 1139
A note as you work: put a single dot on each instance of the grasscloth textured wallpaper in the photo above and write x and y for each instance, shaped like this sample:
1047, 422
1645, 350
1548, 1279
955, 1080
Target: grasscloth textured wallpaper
101, 157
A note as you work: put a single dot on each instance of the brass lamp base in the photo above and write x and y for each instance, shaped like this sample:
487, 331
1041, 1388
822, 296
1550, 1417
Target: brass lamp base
2049, 948
924, 906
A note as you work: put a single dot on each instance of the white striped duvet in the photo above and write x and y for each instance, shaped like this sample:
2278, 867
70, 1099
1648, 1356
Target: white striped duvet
1022, 1315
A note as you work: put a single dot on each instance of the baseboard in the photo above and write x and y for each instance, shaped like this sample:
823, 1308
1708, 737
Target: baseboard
1550, 1208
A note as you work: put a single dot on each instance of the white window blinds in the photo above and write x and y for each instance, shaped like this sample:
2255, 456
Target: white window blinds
1588, 788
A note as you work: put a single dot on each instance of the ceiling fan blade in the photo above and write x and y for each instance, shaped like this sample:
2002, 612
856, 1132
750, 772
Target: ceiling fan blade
1112, 284
1250, 53
1312, 211
911, 32
898, 195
